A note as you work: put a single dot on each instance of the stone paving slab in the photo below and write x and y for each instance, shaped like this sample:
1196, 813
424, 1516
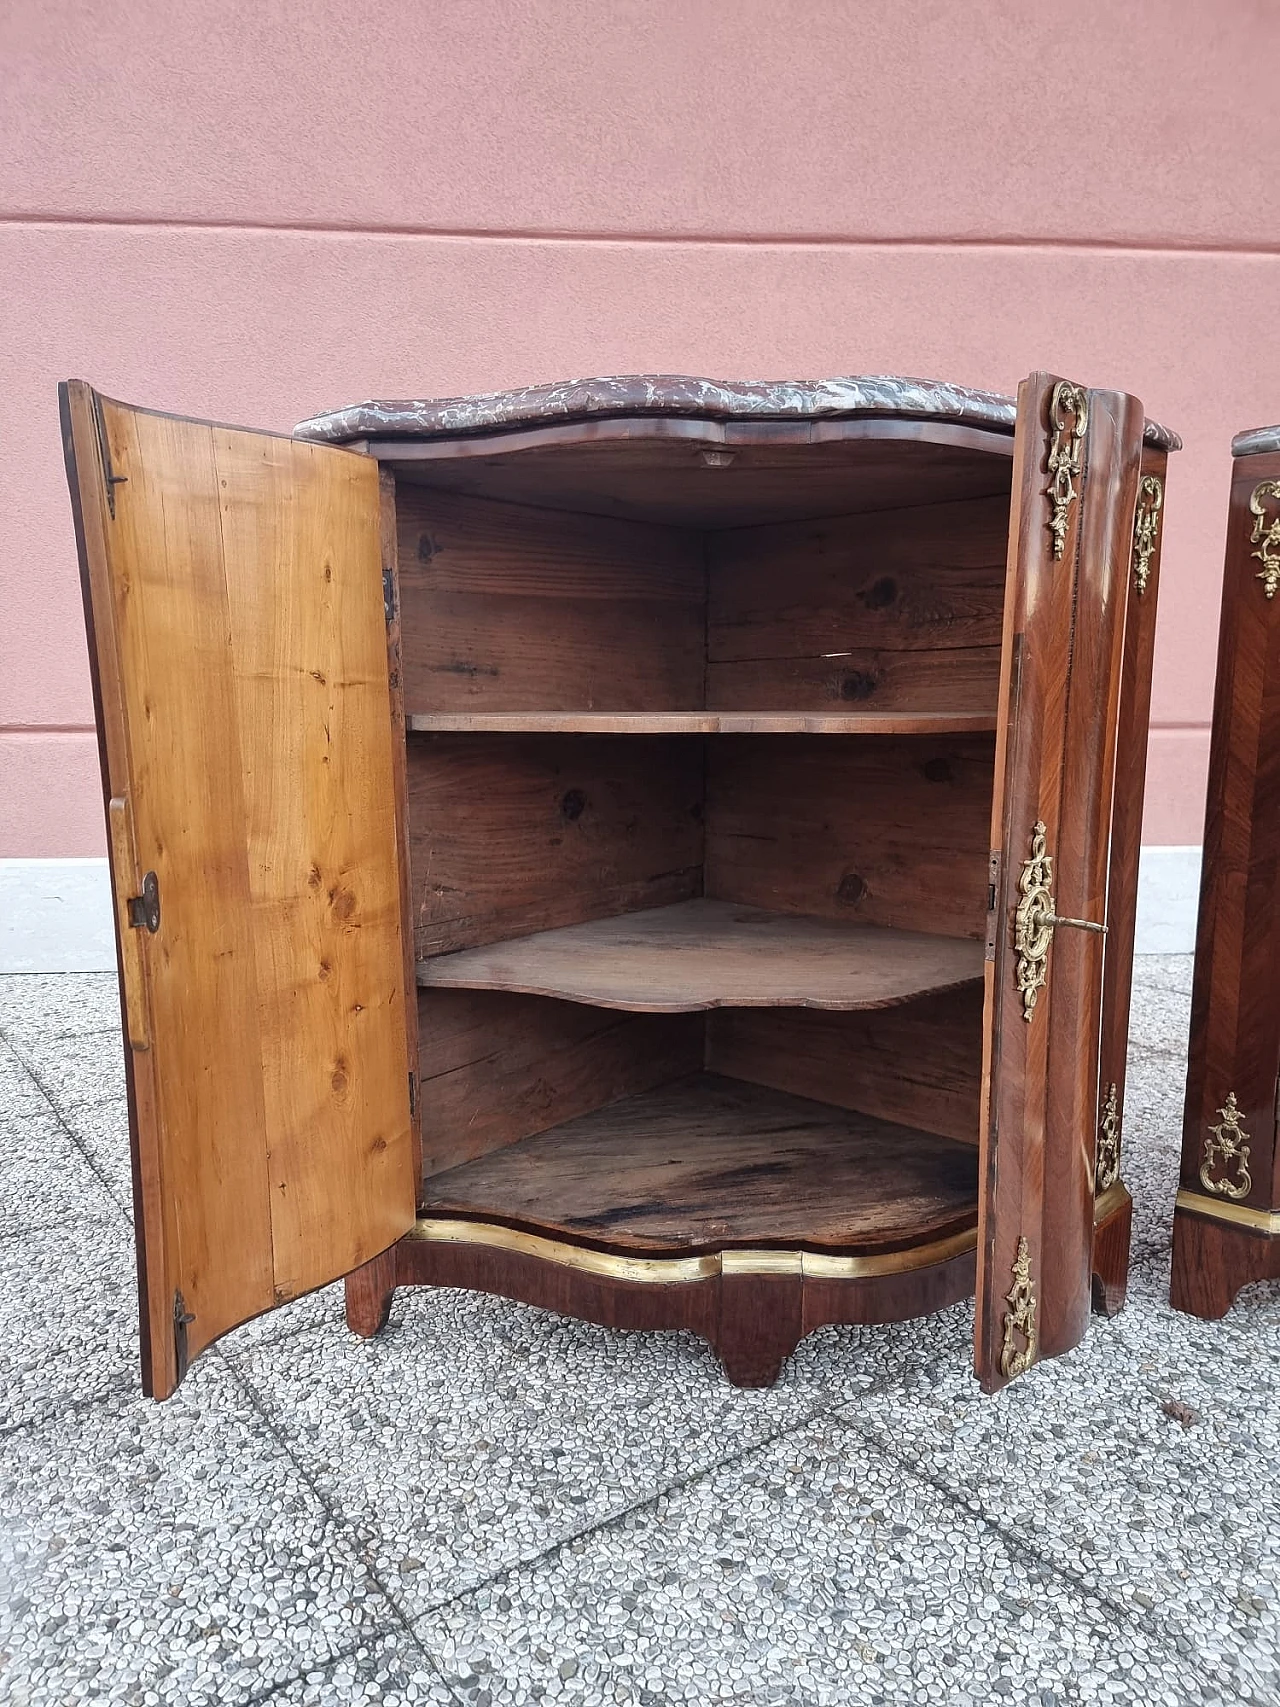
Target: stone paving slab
76, 1004
76, 1071
1152, 1147
171, 1548
100, 1132
44, 1175
474, 1433
68, 1318
1176, 1522
814, 1571
492, 1504
390, 1668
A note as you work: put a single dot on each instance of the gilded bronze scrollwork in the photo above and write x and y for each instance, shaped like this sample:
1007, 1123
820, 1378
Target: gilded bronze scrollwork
1267, 539
1146, 528
1019, 1318
1032, 930
1035, 920
1068, 420
1226, 1151
1107, 1171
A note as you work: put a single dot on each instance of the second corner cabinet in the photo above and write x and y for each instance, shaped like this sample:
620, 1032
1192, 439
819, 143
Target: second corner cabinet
658, 849
1226, 1224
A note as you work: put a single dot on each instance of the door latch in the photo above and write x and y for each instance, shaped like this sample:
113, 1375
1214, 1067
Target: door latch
144, 909
1036, 920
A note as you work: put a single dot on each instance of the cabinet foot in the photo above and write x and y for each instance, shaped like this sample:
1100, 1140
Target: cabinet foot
760, 1325
1111, 1259
1212, 1262
370, 1290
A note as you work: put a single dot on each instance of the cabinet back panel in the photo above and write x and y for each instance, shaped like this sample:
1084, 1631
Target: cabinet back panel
497, 1068
919, 1064
880, 831
901, 609
514, 834
509, 608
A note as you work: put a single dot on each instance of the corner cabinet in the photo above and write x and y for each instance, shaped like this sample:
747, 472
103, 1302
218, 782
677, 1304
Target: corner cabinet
642, 846
1226, 1224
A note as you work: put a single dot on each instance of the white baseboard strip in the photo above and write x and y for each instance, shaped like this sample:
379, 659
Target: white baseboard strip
55, 914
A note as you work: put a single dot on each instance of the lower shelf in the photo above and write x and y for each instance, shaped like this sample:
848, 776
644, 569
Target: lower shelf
711, 954
712, 1163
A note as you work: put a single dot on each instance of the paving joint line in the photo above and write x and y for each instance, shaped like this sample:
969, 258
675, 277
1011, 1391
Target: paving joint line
611, 1520
7, 1234
341, 1523
94, 1165
117, 1389
1020, 1548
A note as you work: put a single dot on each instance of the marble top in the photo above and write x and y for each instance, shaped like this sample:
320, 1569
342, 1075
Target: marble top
678, 394
1256, 441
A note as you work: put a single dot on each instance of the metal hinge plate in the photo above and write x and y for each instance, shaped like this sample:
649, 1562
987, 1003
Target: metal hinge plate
144, 909
993, 896
182, 1320
110, 479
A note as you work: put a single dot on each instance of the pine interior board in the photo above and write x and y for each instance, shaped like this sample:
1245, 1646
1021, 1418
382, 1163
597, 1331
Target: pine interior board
666, 479
919, 1064
889, 832
505, 606
519, 833
495, 1068
712, 954
901, 610
950, 682
709, 1162
942, 722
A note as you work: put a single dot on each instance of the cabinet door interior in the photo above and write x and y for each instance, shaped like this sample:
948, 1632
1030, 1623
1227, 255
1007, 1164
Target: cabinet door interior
234, 597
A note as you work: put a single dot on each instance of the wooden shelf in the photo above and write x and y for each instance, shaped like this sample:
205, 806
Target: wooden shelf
714, 954
701, 722
710, 1162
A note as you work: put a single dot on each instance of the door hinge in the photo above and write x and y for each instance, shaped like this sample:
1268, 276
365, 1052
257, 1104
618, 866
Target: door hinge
390, 607
110, 479
144, 909
182, 1320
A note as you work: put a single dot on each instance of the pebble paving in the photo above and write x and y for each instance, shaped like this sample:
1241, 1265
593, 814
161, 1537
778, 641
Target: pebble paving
490, 1504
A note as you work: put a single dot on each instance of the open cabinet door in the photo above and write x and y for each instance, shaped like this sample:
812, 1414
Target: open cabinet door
234, 603
1075, 475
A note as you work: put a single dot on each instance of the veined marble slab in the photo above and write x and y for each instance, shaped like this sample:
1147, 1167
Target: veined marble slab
679, 394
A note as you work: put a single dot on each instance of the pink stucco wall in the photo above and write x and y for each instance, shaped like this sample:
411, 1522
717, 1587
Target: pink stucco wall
256, 212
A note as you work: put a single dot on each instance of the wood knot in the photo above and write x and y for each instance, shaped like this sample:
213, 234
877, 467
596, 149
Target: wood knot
573, 805
858, 684
851, 889
880, 593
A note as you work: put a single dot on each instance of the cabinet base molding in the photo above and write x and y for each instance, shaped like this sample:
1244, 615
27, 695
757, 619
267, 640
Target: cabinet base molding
1218, 1248
753, 1307
1264, 1221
